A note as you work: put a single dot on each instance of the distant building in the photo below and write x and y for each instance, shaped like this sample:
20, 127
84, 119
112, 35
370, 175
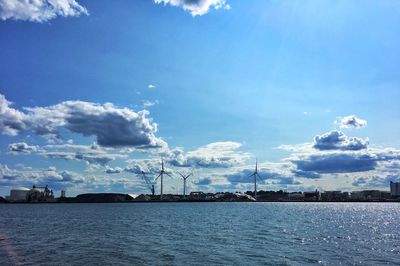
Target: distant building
385, 195
312, 196
197, 195
296, 196
372, 195
357, 195
334, 195
40, 194
395, 189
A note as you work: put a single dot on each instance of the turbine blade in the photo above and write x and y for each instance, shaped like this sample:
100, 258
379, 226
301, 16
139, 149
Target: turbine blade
260, 177
181, 174
155, 180
251, 175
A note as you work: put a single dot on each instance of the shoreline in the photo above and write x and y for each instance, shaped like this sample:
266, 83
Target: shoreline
195, 201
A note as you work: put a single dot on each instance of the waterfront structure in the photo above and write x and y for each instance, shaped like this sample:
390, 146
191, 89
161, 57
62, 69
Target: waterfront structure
295, 196
197, 195
18, 194
356, 195
395, 189
150, 183
334, 195
370, 195
385, 195
40, 194
312, 196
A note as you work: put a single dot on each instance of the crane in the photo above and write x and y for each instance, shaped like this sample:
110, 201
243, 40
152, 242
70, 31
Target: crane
150, 184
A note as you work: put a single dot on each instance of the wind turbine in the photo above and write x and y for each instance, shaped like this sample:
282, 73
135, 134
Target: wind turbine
255, 175
185, 177
161, 175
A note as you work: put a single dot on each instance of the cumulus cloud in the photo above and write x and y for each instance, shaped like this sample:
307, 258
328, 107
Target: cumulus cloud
112, 126
56, 180
196, 7
39, 10
150, 166
22, 147
267, 176
148, 103
12, 121
91, 154
334, 154
336, 163
214, 155
351, 121
306, 174
115, 170
337, 140
375, 181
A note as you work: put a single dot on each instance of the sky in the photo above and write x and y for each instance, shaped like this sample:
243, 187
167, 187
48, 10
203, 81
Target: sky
92, 93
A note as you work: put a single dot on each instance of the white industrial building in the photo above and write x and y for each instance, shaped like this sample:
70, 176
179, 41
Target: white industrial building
18, 194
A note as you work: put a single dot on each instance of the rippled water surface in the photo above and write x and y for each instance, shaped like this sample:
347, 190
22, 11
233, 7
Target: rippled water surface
200, 234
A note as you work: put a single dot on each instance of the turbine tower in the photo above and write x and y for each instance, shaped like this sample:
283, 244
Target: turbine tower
161, 175
255, 175
185, 177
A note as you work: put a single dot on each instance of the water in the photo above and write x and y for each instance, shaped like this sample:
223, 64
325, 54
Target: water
200, 234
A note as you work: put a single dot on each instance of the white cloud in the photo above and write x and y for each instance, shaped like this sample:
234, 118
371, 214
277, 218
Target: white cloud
39, 10
148, 103
22, 147
196, 7
214, 155
149, 166
151, 86
55, 180
91, 154
351, 121
337, 140
112, 126
349, 160
11, 120
115, 170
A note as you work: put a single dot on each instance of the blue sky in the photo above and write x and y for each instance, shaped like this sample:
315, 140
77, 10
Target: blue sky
225, 82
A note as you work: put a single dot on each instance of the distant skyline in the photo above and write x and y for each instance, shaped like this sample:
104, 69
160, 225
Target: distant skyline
93, 92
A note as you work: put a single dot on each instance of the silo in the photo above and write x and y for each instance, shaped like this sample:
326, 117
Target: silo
18, 194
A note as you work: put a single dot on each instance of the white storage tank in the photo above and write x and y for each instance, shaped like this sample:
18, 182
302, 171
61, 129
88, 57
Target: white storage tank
18, 194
